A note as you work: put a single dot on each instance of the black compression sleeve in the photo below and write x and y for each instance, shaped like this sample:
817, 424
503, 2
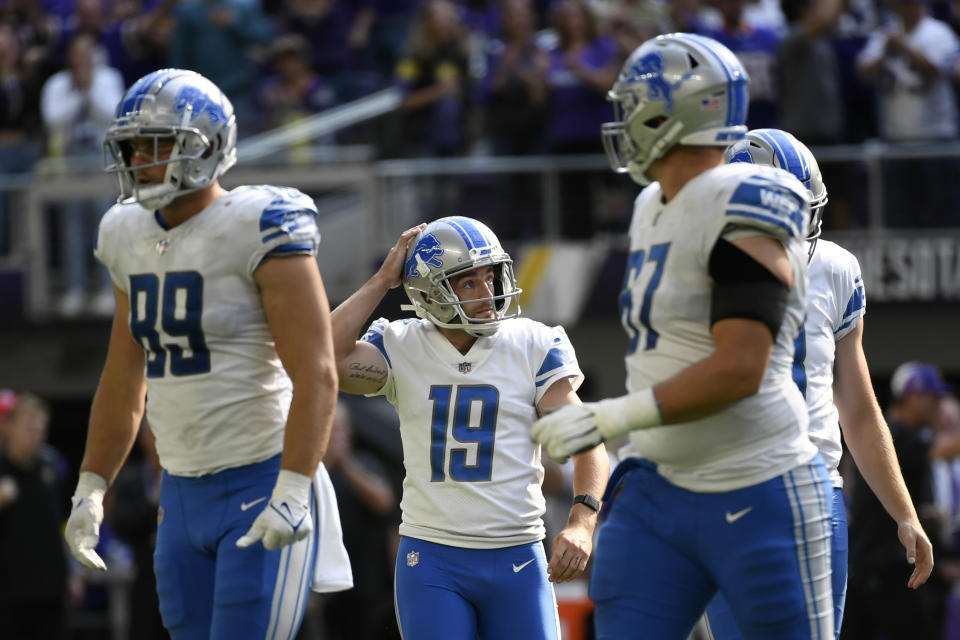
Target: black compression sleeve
744, 288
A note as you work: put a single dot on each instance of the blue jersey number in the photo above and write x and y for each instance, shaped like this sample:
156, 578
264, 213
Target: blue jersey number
469, 400
635, 262
183, 289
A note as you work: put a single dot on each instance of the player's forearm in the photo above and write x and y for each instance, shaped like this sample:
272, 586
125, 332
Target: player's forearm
114, 422
871, 446
590, 472
707, 387
311, 416
350, 315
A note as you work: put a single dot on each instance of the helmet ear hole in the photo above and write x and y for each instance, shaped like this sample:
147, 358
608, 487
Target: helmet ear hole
654, 123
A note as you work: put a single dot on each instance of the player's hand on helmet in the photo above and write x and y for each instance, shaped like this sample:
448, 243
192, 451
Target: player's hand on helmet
83, 526
286, 519
392, 268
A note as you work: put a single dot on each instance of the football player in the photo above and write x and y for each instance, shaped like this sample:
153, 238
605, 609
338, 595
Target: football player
832, 371
222, 325
467, 378
720, 487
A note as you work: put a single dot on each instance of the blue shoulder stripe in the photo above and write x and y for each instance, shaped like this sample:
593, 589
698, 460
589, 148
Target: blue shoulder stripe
766, 200
556, 358
285, 217
295, 247
374, 336
855, 303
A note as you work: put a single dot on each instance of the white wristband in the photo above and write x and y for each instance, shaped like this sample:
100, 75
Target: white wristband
293, 484
617, 416
91, 485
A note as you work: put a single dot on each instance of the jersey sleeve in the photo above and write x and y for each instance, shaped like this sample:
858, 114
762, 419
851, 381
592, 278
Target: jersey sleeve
854, 300
288, 226
104, 240
375, 335
773, 203
557, 359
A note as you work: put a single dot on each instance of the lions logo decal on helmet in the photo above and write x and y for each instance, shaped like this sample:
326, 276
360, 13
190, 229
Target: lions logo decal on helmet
426, 253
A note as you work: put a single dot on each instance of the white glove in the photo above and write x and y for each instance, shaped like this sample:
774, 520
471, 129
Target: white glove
575, 428
83, 526
286, 518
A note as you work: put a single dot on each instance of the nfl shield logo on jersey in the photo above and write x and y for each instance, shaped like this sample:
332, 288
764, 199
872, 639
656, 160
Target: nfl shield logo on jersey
464, 367
413, 558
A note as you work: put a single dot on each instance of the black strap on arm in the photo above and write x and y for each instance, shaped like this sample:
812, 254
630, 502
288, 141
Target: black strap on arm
744, 288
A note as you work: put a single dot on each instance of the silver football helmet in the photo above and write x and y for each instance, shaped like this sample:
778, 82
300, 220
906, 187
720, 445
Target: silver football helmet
678, 88
181, 106
448, 247
777, 148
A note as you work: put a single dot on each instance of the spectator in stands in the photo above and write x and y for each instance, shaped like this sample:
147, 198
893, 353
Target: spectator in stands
293, 89
77, 105
434, 76
515, 97
757, 48
32, 509
811, 104
131, 37
215, 38
877, 598
582, 68
19, 123
946, 488
136, 495
910, 59
515, 86
367, 506
337, 32
389, 25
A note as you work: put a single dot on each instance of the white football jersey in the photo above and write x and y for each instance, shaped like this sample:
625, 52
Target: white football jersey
665, 308
217, 393
473, 474
835, 304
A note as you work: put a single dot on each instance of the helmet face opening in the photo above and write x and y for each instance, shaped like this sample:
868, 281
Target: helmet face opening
678, 88
780, 149
450, 248
170, 106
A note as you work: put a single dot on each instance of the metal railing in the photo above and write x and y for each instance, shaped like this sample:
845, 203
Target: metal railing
364, 204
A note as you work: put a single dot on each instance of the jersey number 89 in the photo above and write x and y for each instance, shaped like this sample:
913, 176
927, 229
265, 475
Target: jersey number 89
180, 310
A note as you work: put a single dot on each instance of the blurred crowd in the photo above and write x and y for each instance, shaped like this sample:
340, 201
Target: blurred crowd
47, 596
50, 596
478, 77
519, 76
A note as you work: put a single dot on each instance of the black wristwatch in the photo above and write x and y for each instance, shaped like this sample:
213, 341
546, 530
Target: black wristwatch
587, 499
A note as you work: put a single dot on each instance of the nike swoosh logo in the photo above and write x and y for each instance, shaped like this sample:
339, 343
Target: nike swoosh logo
246, 505
519, 568
733, 517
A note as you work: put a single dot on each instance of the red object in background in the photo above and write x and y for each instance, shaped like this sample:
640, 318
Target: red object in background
8, 400
574, 617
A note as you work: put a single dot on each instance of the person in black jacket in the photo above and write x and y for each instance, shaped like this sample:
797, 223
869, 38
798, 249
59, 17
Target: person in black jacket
32, 509
878, 600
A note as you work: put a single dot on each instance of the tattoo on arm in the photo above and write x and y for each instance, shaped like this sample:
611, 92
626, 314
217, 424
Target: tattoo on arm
368, 372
